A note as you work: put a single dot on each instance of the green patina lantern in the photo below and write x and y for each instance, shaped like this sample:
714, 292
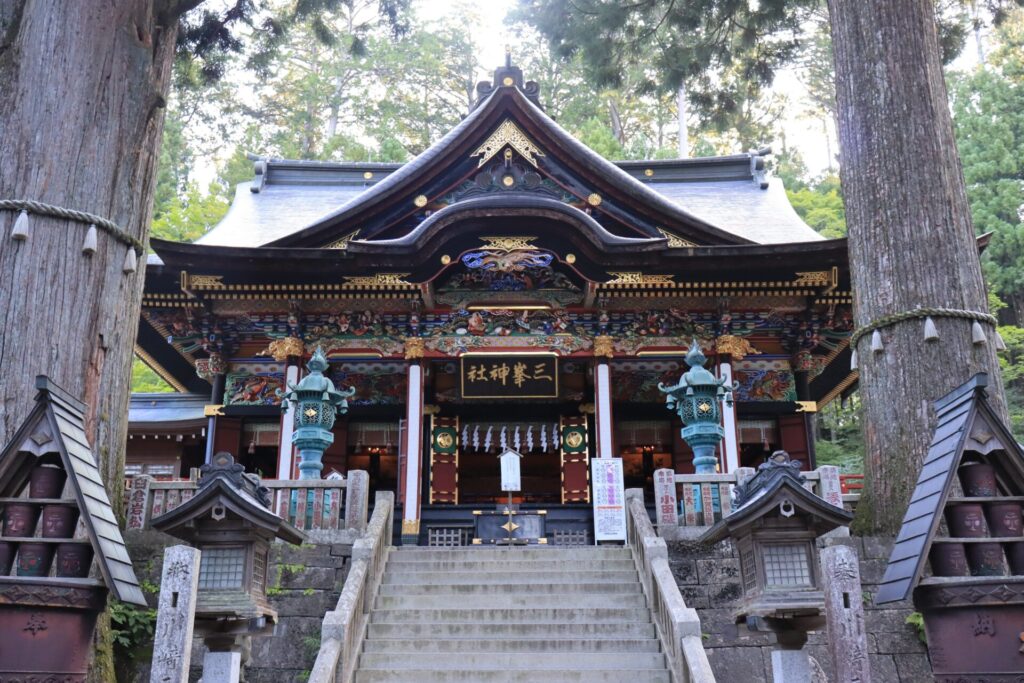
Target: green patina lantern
316, 403
696, 398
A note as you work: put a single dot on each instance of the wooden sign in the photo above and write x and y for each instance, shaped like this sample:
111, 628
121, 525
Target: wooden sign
486, 375
510, 479
609, 499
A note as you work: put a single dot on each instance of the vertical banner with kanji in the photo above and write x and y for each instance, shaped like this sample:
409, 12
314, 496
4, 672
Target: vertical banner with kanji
609, 499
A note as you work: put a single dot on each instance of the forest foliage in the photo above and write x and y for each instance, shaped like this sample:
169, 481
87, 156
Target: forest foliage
372, 91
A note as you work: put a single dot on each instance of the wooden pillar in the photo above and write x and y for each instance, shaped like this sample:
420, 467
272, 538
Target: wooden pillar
285, 450
413, 455
731, 443
216, 399
603, 409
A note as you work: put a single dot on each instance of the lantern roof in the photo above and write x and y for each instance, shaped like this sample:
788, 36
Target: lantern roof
224, 483
56, 427
966, 425
777, 489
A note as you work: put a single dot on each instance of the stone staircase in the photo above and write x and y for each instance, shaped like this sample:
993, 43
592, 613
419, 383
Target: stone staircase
484, 615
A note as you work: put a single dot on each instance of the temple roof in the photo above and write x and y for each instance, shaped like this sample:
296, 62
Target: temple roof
167, 409
705, 201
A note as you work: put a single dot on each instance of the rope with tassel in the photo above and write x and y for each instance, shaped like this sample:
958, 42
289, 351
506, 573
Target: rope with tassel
930, 332
20, 230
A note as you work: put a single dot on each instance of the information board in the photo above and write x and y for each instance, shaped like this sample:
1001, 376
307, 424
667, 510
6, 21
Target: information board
609, 499
510, 480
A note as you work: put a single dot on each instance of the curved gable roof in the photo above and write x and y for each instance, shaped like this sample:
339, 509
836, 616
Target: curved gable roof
623, 197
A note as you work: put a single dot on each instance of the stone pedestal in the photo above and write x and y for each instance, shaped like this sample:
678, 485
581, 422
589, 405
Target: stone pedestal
176, 610
222, 667
790, 666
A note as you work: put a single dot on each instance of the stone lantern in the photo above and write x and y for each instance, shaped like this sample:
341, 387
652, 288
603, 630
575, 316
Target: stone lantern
696, 398
229, 520
774, 525
317, 403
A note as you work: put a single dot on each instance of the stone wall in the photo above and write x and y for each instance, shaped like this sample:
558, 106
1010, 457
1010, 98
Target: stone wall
304, 584
709, 579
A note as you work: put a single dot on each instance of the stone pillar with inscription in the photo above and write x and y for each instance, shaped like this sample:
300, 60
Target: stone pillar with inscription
357, 500
844, 614
665, 501
175, 615
137, 502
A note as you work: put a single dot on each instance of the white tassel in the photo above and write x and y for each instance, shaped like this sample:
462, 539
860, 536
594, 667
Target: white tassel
130, 262
876, 342
89, 245
19, 233
1000, 344
930, 332
853, 360
978, 334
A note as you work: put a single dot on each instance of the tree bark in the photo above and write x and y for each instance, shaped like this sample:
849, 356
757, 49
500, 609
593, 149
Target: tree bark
82, 92
910, 237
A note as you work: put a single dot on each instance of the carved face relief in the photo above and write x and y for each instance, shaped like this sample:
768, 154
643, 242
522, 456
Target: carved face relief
974, 521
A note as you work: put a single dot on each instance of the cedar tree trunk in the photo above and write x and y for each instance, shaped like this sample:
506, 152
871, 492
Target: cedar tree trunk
910, 237
82, 92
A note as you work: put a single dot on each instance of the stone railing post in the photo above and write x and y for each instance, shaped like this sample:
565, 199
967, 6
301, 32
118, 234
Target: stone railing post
357, 500
138, 503
829, 487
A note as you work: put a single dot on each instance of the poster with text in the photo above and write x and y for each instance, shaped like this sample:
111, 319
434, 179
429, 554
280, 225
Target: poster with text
609, 499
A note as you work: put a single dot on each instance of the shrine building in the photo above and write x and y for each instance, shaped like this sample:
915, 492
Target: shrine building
507, 288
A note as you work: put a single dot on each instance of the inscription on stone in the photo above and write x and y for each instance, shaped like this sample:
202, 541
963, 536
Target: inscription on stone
844, 613
176, 609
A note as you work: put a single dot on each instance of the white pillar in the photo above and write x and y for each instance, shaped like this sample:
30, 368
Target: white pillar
285, 452
413, 451
603, 409
730, 444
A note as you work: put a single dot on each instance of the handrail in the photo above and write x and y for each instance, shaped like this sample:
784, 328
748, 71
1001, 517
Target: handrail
678, 626
344, 628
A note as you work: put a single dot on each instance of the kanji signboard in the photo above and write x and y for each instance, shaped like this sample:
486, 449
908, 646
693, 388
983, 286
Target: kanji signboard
509, 376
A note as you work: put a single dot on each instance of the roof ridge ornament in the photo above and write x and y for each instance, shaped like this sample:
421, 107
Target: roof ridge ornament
508, 134
507, 76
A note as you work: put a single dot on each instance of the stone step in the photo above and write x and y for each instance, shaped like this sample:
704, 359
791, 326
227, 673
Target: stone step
458, 590
398, 646
419, 554
509, 601
587, 615
479, 630
482, 565
390, 675
511, 661
393, 575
